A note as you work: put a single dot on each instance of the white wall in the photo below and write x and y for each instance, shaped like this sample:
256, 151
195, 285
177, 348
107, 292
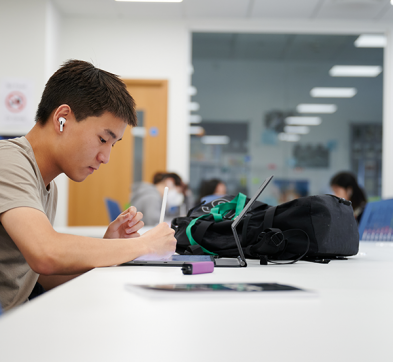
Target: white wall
53, 25
22, 52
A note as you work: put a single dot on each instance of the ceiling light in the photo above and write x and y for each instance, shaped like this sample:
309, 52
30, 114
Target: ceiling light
196, 130
296, 129
151, 1
195, 118
215, 140
288, 137
355, 70
320, 92
193, 106
138, 131
316, 108
370, 41
303, 121
192, 91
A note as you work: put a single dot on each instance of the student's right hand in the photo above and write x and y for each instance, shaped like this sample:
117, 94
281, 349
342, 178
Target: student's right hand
160, 241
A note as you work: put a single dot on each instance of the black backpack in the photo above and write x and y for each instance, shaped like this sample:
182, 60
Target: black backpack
314, 228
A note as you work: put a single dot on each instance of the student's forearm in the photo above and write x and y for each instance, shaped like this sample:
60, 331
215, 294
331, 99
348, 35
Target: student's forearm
71, 254
48, 252
51, 253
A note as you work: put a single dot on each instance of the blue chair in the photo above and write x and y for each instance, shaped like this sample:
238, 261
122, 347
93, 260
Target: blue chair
209, 198
376, 223
113, 208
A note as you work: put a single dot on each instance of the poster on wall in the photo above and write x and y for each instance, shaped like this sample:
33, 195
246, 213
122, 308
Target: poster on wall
16, 104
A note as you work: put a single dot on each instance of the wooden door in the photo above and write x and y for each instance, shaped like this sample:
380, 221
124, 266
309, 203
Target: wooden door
86, 205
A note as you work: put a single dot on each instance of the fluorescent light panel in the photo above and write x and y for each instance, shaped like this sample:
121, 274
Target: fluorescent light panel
316, 108
195, 118
215, 140
151, 1
303, 121
193, 106
296, 129
370, 41
192, 91
138, 131
329, 92
196, 130
355, 70
288, 137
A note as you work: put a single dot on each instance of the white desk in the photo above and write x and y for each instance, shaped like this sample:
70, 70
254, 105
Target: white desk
92, 231
94, 318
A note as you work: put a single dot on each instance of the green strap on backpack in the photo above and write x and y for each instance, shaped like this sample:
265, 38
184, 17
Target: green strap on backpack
218, 213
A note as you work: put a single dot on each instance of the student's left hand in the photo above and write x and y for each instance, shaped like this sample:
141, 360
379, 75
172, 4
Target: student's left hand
126, 225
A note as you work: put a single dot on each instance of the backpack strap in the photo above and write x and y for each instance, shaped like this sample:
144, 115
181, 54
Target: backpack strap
201, 230
245, 226
193, 250
269, 216
218, 213
288, 234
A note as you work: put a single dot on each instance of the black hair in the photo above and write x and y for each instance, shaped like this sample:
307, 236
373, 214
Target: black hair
208, 187
348, 180
88, 91
161, 176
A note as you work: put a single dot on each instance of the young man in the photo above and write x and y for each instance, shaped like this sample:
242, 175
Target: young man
83, 112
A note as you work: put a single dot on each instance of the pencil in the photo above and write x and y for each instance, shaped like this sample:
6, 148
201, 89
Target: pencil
163, 207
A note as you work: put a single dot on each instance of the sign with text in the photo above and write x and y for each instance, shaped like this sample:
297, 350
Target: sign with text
16, 103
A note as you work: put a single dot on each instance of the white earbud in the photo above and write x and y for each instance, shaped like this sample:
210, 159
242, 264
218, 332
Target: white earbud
62, 120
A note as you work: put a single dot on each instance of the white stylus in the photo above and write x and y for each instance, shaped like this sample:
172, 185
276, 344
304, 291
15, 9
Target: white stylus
163, 207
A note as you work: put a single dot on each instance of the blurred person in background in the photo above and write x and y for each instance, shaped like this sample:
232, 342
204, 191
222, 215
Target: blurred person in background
344, 185
147, 197
211, 190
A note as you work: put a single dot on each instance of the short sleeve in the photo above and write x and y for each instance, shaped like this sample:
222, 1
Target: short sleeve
19, 183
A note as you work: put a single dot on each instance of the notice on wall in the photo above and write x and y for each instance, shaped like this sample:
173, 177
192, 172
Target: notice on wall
16, 103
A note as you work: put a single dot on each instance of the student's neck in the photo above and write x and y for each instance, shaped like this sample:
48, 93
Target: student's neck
40, 141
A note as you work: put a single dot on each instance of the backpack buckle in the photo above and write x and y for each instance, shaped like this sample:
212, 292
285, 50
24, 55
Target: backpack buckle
277, 238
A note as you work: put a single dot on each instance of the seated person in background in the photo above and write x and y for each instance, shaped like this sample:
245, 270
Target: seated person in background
83, 113
211, 190
147, 198
344, 185
179, 205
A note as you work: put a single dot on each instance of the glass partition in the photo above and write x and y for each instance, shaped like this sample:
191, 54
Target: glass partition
290, 105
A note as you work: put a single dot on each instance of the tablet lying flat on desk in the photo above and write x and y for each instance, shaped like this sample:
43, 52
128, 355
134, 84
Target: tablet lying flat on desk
264, 290
174, 260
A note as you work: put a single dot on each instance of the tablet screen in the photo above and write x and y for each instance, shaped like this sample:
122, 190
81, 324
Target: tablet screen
183, 258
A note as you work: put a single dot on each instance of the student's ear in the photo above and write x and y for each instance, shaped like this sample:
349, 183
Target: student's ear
59, 118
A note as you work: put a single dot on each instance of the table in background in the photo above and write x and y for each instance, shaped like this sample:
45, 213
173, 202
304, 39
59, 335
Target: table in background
95, 318
92, 231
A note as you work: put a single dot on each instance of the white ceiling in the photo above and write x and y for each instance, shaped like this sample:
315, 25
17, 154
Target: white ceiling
371, 10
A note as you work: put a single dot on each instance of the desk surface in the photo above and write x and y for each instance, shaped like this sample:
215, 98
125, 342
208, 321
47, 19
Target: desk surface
94, 317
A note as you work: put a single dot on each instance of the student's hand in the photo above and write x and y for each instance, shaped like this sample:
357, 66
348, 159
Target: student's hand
126, 225
160, 241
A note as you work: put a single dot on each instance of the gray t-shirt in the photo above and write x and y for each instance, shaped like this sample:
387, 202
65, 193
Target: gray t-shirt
21, 185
